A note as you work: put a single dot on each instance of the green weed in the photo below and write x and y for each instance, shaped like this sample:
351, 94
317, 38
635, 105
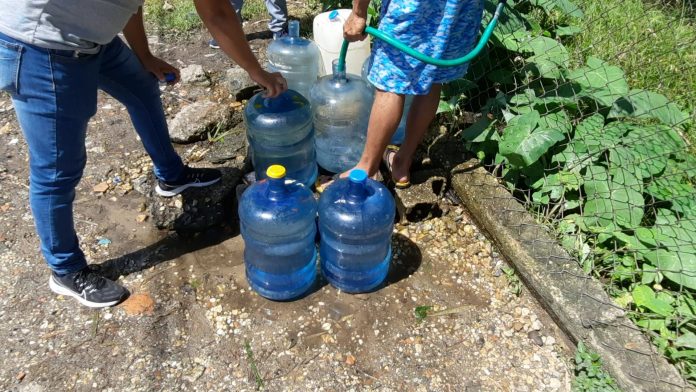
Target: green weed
252, 365
421, 312
514, 283
589, 375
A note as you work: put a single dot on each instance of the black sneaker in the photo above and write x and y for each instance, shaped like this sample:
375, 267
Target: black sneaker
191, 177
89, 288
213, 44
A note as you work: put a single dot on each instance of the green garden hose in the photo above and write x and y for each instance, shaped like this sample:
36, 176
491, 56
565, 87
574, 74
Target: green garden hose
425, 58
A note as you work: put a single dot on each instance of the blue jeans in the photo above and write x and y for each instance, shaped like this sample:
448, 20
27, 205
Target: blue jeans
54, 93
278, 9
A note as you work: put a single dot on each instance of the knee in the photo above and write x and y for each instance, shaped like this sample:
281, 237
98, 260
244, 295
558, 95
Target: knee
56, 177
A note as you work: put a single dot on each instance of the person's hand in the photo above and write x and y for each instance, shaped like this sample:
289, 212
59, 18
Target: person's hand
354, 28
159, 68
274, 83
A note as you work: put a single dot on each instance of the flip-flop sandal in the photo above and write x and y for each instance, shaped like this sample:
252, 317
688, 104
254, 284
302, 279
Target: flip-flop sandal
324, 182
392, 149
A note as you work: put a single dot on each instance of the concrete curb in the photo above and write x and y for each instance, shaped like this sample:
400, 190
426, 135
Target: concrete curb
577, 303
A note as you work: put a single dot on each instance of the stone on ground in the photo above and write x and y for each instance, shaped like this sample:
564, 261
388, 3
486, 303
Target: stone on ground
194, 121
194, 74
238, 82
421, 200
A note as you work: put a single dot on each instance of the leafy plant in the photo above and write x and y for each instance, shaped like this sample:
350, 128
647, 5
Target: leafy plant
604, 163
589, 374
421, 312
513, 281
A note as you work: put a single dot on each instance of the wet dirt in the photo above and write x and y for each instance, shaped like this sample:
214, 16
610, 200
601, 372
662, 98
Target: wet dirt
197, 325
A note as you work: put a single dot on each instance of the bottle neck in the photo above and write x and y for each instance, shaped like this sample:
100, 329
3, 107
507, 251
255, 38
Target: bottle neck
357, 192
338, 74
276, 188
294, 29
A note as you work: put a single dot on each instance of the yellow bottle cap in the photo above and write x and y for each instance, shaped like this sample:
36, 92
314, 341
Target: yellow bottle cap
275, 171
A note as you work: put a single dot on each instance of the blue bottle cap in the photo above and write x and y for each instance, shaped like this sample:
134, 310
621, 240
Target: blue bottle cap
333, 15
358, 176
169, 77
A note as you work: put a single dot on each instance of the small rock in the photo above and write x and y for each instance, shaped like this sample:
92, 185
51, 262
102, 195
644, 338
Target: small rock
350, 360
194, 74
238, 82
517, 326
141, 218
536, 325
194, 121
535, 337
138, 304
20, 376
167, 6
142, 186
555, 384
195, 373
550, 341
101, 187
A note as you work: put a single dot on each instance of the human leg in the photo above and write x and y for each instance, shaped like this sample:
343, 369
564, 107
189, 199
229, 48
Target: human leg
238, 5
55, 94
278, 9
122, 76
422, 113
384, 118
56, 97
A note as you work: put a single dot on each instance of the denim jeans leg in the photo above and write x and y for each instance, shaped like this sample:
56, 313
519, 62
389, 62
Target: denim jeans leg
278, 9
122, 76
238, 5
57, 96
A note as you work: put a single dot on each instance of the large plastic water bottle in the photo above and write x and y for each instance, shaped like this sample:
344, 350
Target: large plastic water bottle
296, 58
277, 218
400, 133
356, 218
341, 105
280, 132
328, 34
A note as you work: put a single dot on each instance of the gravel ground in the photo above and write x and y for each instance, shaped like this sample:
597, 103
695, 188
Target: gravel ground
192, 323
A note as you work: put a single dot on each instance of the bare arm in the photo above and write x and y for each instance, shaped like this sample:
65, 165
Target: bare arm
222, 22
354, 28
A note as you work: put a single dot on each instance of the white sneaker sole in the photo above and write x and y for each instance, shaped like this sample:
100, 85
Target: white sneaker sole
180, 189
58, 289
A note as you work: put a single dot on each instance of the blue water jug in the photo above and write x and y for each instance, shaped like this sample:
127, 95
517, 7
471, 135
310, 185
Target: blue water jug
356, 219
297, 59
341, 105
400, 133
278, 224
280, 132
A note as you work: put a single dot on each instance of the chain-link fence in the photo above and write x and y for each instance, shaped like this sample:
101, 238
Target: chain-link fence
587, 116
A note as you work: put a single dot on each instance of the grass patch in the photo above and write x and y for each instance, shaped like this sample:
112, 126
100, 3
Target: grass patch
254, 10
654, 44
180, 18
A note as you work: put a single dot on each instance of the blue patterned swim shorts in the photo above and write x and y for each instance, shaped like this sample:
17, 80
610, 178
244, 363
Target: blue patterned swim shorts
444, 29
